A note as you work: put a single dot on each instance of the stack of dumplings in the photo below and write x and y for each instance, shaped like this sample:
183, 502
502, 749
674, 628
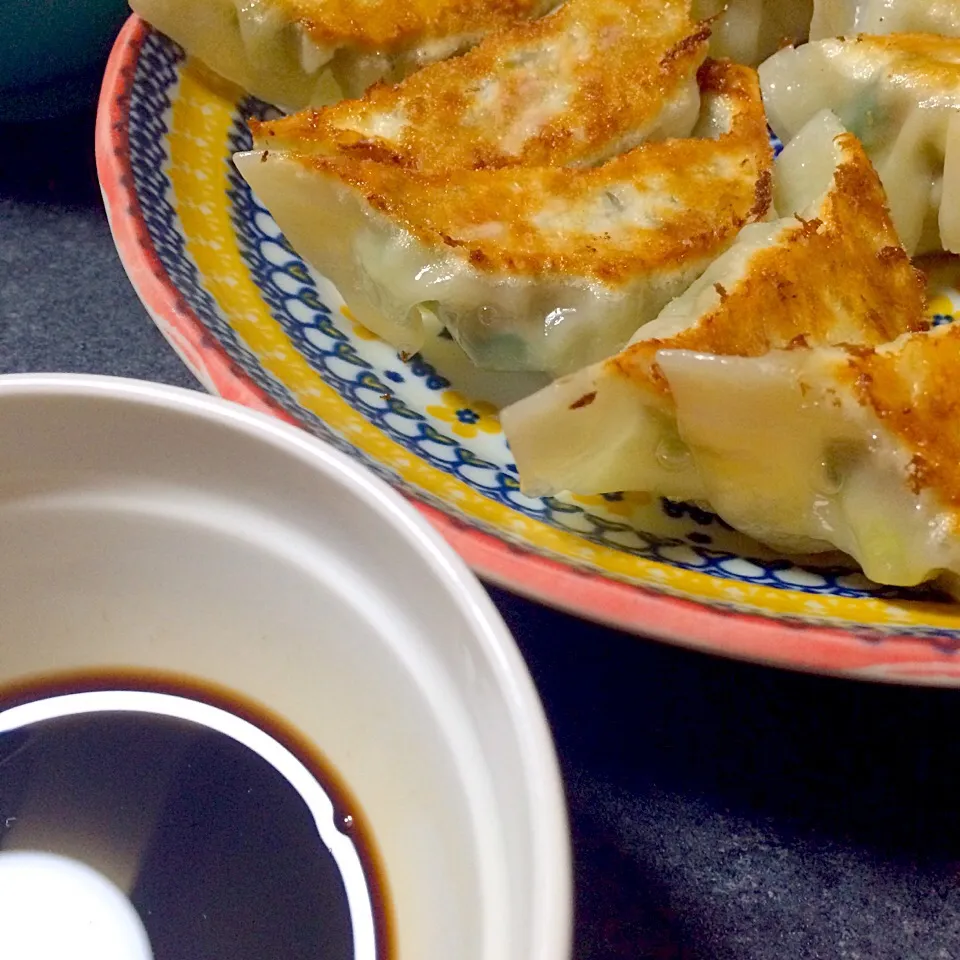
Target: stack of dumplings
576, 175
592, 80
299, 53
829, 270
845, 18
538, 268
587, 190
900, 95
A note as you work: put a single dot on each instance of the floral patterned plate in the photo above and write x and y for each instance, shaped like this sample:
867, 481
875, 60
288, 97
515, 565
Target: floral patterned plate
256, 325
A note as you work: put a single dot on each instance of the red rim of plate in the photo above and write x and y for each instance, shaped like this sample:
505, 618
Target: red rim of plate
636, 609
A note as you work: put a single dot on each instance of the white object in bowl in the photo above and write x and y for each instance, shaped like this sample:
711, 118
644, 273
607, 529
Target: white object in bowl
148, 527
53, 907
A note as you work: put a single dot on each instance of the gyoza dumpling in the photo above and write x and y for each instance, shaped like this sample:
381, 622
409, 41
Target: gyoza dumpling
748, 31
529, 268
591, 80
837, 18
901, 96
856, 449
297, 53
835, 273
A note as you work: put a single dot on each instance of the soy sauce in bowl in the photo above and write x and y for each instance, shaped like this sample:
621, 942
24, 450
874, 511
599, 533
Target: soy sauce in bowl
232, 838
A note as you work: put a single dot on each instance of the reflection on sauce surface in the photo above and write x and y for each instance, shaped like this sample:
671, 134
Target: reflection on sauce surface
182, 796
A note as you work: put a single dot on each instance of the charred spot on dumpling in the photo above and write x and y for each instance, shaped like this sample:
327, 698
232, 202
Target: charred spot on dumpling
584, 401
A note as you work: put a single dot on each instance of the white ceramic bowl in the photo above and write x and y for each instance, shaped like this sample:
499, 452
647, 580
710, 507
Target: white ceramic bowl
148, 527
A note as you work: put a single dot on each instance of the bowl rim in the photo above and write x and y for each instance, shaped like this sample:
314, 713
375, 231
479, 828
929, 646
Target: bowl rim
551, 857
838, 648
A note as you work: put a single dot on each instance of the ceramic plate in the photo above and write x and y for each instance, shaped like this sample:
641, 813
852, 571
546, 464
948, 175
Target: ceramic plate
256, 325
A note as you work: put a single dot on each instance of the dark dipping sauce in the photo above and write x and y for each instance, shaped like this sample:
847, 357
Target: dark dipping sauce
218, 852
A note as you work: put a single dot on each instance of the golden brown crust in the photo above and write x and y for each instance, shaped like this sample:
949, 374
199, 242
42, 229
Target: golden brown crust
558, 90
840, 277
912, 388
922, 58
656, 208
394, 24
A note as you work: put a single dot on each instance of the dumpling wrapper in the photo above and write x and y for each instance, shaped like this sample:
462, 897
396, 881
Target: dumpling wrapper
856, 449
843, 18
591, 80
749, 31
529, 268
835, 273
901, 96
299, 53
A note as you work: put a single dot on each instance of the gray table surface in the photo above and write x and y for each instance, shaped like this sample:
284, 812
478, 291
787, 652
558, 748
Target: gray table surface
719, 811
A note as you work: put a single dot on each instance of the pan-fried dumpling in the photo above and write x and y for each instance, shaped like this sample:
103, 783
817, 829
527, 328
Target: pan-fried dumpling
748, 31
297, 53
587, 82
848, 448
901, 96
834, 273
838, 18
529, 268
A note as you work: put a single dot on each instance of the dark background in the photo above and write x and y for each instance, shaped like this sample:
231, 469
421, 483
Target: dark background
720, 811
